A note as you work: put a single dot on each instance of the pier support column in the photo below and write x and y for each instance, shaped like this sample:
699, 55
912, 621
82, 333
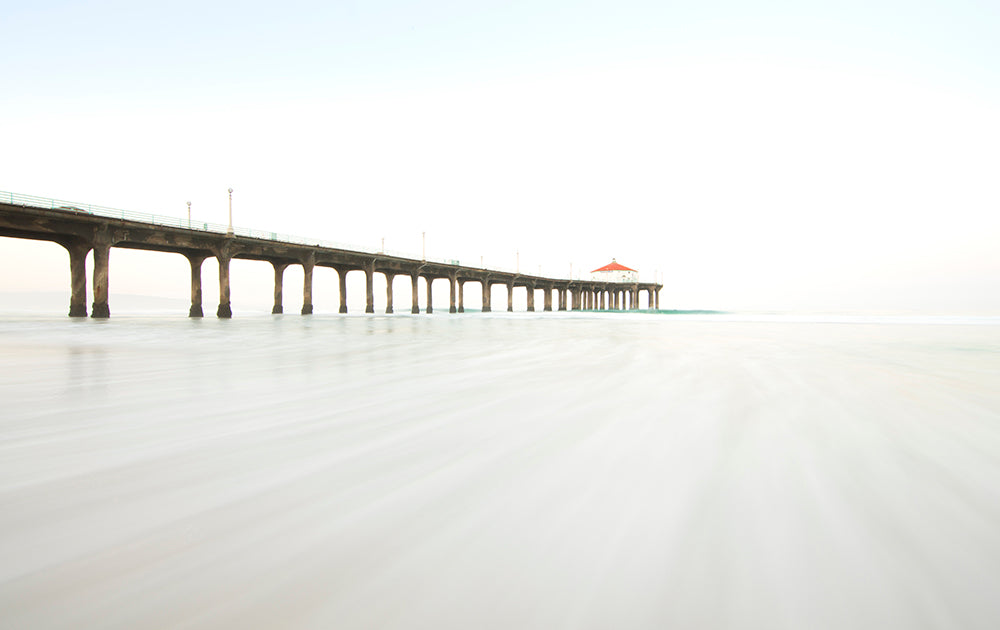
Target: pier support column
548, 299
430, 304
370, 287
562, 298
225, 310
102, 255
308, 265
461, 296
487, 295
531, 298
600, 300
635, 298
416, 305
77, 277
657, 296
453, 308
195, 260
388, 291
279, 283
342, 273
510, 297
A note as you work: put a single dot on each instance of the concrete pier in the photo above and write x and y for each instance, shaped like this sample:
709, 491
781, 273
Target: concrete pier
487, 296
78, 251
342, 274
195, 261
83, 231
453, 281
370, 287
416, 305
279, 283
388, 292
307, 285
225, 309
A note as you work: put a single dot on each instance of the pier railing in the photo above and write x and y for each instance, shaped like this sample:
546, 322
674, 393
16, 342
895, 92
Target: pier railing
218, 228
18, 199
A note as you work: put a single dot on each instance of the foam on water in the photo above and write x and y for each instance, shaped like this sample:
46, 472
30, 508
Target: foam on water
500, 471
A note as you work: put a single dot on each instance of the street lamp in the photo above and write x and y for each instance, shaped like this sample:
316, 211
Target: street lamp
423, 239
189, 215
230, 230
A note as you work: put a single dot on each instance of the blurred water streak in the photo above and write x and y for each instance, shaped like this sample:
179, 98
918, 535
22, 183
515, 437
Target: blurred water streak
555, 470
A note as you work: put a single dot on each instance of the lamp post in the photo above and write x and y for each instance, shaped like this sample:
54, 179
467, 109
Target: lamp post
423, 241
230, 230
517, 268
189, 215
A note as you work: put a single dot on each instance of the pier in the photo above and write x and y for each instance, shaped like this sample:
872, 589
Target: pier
83, 228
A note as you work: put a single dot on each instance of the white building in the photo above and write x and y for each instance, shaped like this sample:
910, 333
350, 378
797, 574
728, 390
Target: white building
614, 272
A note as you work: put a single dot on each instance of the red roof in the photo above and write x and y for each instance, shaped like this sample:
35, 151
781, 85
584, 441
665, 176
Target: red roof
614, 266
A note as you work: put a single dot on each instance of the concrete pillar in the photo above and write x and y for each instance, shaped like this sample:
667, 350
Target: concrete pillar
510, 297
547, 300
487, 294
77, 277
342, 273
461, 296
308, 266
279, 281
657, 299
413, 282
600, 300
102, 255
452, 308
531, 298
635, 298
370, 287
430, 305
225, 310
195, 260
388, 291
562, 299
577, 299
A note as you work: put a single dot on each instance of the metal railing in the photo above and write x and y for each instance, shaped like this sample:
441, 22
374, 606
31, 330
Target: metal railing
217, 228
201, 226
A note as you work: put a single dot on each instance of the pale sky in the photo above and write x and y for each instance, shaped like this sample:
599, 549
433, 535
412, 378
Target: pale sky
835, 156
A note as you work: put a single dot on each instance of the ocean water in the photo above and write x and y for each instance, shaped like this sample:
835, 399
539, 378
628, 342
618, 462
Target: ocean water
557, 470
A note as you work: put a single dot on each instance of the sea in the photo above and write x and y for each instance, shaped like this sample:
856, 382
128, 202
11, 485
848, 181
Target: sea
500, 471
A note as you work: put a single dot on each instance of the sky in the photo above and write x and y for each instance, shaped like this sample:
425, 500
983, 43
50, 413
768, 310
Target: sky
809, 156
